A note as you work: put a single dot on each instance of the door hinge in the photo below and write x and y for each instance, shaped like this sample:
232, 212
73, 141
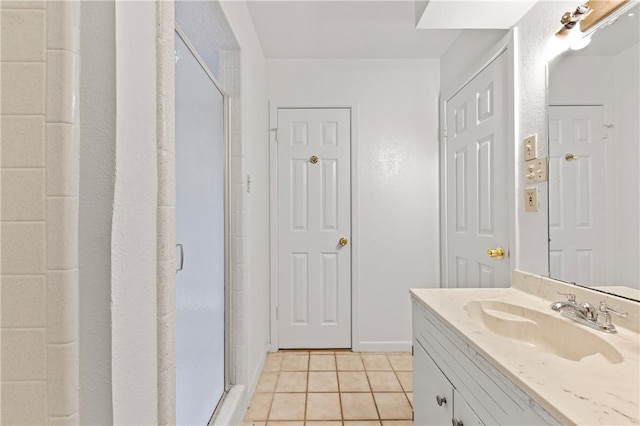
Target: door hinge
445, 131
411, 350
413, 416
275, 129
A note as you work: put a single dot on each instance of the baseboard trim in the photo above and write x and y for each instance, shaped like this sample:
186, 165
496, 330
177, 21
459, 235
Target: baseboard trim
384, 346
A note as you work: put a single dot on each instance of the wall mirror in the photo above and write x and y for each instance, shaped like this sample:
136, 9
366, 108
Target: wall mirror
594, 158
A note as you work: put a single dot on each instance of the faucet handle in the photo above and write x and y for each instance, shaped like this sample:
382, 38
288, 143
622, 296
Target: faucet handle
570, 296
604, 308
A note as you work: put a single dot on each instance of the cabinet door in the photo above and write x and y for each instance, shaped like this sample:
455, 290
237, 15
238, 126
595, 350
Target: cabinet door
463, 415
430, 387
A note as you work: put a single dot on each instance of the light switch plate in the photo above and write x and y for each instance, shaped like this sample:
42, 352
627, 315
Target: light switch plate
536, 170
531, 200
530, 147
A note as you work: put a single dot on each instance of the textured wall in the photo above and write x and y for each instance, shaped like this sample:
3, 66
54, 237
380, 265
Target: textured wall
39, 212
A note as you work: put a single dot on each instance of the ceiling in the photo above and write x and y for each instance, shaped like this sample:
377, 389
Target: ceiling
363, 29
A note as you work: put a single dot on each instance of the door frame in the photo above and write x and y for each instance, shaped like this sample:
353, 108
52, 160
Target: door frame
505, 46
273, 212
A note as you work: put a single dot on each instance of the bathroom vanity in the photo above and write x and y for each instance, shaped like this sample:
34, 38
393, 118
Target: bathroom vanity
502, 356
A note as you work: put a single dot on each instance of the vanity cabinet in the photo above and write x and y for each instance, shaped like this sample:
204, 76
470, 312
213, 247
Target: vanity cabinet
440, 403
476, 393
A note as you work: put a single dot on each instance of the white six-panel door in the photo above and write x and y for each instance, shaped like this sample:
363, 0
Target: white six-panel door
577, 184
476, 180
314, 214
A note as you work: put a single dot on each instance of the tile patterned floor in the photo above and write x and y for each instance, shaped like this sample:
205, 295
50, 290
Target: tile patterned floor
320, 388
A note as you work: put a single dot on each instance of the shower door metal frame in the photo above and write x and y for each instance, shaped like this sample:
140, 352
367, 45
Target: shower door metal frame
227, 237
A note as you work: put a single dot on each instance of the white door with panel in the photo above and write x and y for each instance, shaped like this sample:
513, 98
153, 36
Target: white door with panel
476, 181
200, 232
577, 184
314, 227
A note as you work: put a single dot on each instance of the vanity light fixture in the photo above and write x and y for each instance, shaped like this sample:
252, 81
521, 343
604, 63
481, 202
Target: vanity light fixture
581, 44
569, 20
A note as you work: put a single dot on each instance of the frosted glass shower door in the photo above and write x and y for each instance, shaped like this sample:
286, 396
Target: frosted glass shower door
200, 228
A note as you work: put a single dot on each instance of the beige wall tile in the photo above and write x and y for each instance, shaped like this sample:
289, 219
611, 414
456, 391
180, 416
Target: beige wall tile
24, 403
62, 306
323, 381
62, 233
23, 88
22, 141
292, 381
363, 423
64, 421
22, 4
166, 179
63, 160
166, 233
358, 406
23, 301
323, 406
23, 197
23, 354
166, 287
63, 25
62, 81
353, 381
23, 248
23, 35
393, 406
62, 379
287, 406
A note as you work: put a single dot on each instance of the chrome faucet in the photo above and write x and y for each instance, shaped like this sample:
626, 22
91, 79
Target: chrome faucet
587, 314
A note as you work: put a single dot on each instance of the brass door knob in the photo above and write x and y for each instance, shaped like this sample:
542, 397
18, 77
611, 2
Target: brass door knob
313, 159
343, 241
497, 252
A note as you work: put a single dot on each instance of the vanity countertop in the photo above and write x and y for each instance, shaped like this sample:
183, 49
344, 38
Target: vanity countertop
586, 392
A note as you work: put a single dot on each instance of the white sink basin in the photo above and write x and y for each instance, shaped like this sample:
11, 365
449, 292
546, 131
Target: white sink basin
544, 332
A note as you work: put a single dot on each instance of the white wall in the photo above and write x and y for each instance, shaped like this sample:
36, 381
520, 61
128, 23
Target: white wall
397, 180
134, 350
97, 164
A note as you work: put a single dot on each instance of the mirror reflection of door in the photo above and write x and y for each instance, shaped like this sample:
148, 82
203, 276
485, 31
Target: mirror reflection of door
577, 185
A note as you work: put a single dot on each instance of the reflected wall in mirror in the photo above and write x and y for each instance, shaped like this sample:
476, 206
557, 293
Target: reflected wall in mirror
594, 160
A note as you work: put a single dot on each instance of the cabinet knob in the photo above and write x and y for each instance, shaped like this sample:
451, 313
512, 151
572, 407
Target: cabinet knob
441, 400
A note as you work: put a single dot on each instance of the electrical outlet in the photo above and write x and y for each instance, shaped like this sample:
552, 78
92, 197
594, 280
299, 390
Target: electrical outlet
531, 200
530, 147
536, 170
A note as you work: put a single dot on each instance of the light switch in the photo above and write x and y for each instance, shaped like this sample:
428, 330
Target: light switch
536, 170
531, 200
530, 147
